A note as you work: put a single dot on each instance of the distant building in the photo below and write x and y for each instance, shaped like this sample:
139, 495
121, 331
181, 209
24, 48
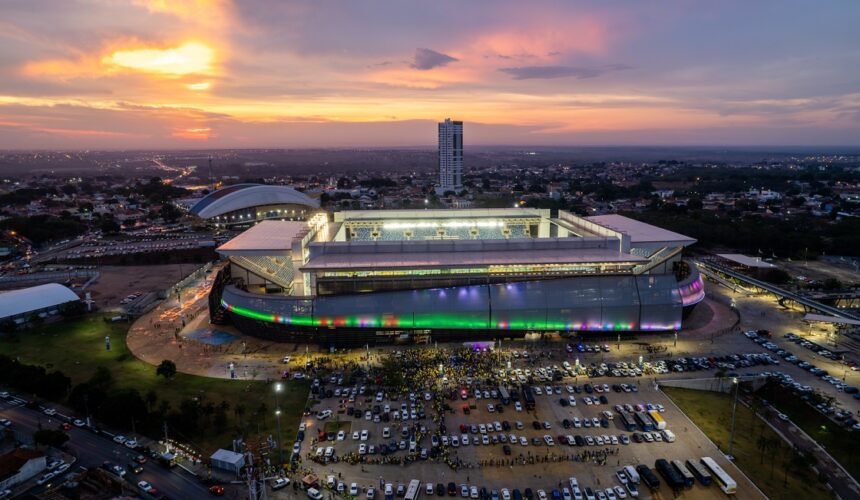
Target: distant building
450, 157
20, 465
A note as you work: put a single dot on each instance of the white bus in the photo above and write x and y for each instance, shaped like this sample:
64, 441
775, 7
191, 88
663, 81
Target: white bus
413, 490
719, 476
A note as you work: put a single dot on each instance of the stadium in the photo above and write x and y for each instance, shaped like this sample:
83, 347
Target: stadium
366, 277
241, 205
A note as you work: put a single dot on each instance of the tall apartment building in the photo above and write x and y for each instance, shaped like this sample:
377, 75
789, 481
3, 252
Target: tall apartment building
450, 156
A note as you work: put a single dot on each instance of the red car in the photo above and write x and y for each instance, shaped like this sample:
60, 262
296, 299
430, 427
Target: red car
217, 490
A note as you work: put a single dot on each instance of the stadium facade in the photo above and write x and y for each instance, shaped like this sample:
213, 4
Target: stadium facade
368, 277
242, 205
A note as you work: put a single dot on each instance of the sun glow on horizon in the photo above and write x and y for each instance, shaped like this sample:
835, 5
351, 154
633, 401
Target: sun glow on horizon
188, 58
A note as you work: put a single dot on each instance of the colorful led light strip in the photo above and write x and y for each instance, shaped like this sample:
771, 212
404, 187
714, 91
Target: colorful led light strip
437, 321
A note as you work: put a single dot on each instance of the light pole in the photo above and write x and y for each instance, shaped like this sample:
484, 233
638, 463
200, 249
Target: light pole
278, 388
734, 409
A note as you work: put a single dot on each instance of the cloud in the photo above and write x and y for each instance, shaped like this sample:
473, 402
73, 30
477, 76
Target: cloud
548, 72
428, 59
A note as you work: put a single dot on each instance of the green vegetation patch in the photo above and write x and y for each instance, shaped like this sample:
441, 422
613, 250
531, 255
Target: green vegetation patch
207, 412
759, 451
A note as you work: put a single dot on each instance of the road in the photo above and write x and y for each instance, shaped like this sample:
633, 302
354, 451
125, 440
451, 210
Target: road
92, 450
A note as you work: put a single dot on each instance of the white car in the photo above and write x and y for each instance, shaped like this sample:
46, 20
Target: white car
355, 435
119, 439
144, 486
131, 443
548, 440
78, 422
341, 435
365, 435
506, 495
50, 411
371, 494
518, 406
280, 482
353, 489
62, 468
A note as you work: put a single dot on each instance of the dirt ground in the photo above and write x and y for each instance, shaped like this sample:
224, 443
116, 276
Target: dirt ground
822, 269
117, 282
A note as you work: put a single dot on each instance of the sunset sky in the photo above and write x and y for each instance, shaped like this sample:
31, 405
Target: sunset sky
372, 73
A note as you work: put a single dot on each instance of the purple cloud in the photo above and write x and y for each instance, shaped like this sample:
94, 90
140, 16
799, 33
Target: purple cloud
547, 72
428, 59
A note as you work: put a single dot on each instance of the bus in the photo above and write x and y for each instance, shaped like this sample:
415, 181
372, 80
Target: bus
700, 472
725, 482
413, 490
644, 421
529, 398
688, 477
673, 479
648, 477
659, 423
627, 421
504, 396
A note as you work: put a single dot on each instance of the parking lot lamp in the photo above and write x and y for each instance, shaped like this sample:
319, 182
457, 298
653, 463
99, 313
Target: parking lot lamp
734, 409
278, 388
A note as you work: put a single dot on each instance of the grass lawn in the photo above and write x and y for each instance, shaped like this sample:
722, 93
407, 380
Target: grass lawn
77, 347
839, 441
766, 466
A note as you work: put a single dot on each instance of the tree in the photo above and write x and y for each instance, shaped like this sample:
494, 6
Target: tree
151, 398
50, 437
166, 369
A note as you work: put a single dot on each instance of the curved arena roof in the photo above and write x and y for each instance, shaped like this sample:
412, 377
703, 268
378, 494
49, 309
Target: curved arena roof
34, 298
242, 196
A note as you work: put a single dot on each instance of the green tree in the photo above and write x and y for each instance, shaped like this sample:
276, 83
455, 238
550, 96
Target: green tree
166, 369
50, 437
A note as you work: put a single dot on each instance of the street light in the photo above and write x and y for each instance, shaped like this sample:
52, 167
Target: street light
734, 409
278, 388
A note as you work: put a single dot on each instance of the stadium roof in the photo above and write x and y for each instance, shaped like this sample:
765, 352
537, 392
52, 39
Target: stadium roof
640, 232
25, 300
746, 260
269, 237
428, 260
242, 196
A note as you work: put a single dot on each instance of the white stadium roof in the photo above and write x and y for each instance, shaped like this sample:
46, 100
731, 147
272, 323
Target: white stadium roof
34, 298
640, 232
269, 237
242, 196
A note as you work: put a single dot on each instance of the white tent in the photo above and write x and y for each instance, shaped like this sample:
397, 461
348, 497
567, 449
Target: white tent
227, 460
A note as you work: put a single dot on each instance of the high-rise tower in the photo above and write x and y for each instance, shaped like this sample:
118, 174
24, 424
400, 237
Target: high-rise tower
450, 156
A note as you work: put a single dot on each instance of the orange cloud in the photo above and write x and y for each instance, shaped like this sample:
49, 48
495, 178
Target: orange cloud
194, 134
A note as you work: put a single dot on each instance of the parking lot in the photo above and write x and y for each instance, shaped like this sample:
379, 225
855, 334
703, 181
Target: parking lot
449, 424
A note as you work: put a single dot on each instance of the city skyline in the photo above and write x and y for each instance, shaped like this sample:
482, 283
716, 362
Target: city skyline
223, 74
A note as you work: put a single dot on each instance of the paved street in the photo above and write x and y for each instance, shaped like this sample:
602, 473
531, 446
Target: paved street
92, 450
